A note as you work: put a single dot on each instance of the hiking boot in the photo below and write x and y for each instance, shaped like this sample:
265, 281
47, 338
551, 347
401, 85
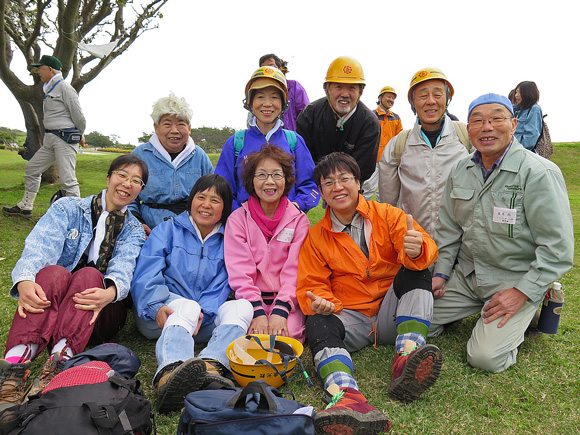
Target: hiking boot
177, 380
216, 372
17, 211
52, 367
13, 386
350, 414
414, 371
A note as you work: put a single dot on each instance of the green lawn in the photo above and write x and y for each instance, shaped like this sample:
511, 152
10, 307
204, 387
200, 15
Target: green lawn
540, 394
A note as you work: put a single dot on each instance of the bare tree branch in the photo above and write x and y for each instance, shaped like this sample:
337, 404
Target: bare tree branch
35, 27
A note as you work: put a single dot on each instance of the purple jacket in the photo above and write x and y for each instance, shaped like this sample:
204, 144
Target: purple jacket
298, 100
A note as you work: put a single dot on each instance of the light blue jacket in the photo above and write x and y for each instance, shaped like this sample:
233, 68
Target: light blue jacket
63, 234
175, 260
304, 192
529, 126
167, 184
529, 254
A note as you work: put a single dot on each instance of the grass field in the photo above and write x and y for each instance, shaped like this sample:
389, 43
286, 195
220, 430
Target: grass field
540, 394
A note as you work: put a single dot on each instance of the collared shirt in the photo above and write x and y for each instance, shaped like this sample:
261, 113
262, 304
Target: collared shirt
479, 162
46, 87
181, 156
356, 230
342, 120
215, 229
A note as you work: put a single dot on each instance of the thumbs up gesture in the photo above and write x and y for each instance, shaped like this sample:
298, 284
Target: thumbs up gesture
320, 305
413, 241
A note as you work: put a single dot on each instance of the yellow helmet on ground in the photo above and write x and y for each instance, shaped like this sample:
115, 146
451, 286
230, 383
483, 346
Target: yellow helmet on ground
387, 89
429, 74
345, 70
264, 77
268, 357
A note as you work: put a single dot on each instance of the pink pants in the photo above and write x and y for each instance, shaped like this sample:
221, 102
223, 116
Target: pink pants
295, 322
62, 319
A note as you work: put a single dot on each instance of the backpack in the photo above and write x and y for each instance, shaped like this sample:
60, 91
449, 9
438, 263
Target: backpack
57, 195
544, 145
115, 406
120, 358
460, 129
240, 136
258, 409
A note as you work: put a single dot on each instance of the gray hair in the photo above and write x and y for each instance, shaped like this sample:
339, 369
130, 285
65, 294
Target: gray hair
171, 105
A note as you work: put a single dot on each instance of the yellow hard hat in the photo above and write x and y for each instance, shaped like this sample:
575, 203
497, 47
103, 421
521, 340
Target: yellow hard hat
264, 77
345, 70
387, 89
268, 357
429, 74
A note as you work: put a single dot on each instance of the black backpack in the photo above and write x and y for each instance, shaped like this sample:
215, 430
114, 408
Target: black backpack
117, 406
60, 193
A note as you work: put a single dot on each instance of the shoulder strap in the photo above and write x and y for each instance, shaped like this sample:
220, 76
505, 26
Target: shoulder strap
291, 138
51, 89
400, 143
461, 131
239, 137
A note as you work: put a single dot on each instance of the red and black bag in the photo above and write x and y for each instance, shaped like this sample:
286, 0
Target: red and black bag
86, 399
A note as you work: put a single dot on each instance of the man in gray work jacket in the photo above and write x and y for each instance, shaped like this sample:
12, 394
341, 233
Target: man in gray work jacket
64, 125
504, 235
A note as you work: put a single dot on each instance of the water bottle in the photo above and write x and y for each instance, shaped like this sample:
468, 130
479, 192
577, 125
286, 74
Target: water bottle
551, 310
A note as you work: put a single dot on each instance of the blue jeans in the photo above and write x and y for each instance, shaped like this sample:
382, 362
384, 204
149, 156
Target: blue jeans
176, 344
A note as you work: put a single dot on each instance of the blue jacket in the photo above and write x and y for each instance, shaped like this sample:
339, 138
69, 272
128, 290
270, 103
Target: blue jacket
63, 234
529, 126
304, 192
175, 260
167, 184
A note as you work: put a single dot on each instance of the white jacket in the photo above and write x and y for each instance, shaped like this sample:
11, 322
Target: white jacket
417, 184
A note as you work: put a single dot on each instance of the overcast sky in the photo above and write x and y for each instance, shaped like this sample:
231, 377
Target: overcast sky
206, 52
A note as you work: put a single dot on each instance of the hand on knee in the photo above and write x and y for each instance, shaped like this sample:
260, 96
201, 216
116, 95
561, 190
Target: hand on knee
185, 313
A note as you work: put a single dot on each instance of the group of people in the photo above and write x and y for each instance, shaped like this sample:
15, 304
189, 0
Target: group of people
467, 221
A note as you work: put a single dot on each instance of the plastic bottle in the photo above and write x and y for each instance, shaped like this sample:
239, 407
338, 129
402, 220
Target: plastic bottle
551, 310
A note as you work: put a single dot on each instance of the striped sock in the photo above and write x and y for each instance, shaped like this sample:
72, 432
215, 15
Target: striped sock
342, 379
413, 336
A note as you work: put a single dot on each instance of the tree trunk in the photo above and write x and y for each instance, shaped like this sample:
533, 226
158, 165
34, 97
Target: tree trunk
35, 135
34, 127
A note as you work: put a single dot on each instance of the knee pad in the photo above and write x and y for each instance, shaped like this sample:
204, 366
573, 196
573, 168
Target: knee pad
185, 314
407, 280
239, 312
324, 331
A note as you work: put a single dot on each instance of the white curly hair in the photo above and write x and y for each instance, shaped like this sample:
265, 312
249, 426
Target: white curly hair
171, 105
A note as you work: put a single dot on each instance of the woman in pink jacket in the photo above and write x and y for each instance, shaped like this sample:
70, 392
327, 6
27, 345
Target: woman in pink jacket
262, 241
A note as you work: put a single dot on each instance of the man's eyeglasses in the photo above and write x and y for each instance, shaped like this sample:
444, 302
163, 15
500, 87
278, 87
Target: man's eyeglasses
496, 121
264, 176
123, 176
342, 181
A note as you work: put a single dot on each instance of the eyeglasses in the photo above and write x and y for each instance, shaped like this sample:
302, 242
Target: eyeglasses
264, 176
496, 121
123, 176
342, 181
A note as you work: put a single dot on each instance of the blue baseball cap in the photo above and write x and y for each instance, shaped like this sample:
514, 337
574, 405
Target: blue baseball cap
491, 99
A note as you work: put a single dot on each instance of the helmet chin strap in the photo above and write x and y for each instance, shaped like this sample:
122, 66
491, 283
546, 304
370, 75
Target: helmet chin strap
340, 123
439, 121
